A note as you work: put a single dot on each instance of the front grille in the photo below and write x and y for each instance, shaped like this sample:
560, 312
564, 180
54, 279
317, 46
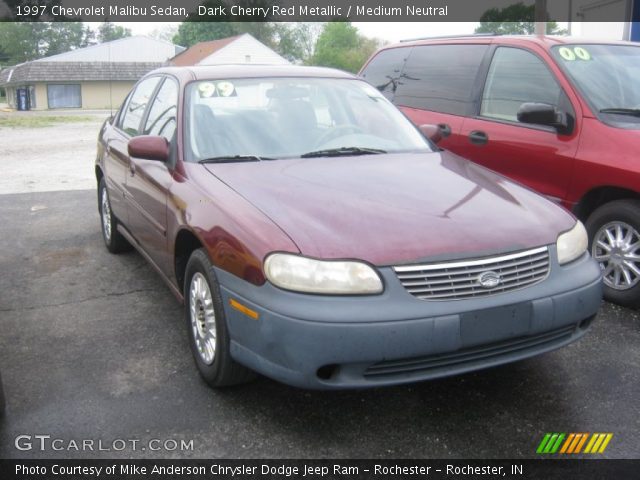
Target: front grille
433, 363
459, 280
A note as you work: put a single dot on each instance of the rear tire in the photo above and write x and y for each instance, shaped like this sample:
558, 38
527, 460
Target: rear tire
113, 239
614, 241
207, 325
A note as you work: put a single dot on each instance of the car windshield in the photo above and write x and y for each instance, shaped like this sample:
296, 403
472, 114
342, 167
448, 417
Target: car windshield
273, 118
607, 75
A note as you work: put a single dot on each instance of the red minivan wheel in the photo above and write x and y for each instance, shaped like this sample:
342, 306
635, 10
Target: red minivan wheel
614, 239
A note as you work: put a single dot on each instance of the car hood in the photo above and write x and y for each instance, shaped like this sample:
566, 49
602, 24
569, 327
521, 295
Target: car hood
395, 209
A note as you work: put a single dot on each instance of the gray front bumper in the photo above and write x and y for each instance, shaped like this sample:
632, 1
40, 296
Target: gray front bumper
332, 342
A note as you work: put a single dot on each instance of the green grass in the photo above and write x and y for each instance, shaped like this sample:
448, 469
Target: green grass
37, 121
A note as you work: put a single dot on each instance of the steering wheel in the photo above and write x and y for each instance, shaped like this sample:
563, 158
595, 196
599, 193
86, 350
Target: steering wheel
338, 131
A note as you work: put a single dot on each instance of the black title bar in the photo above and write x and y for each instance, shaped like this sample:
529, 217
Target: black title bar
316, 469
305, 10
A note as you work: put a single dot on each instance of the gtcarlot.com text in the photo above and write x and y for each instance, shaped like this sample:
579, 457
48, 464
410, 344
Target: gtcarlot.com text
45, 442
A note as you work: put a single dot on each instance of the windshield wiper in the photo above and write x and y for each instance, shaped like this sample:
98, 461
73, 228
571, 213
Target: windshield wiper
634, 112
234, 158
342, 152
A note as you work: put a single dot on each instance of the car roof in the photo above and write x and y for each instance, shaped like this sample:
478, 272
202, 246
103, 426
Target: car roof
545, 41
216, 72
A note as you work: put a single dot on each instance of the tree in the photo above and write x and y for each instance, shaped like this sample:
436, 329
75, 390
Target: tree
341, 46
164, 33
190, 33
296, 41
108, 32
64, 36
25, 41
516, 19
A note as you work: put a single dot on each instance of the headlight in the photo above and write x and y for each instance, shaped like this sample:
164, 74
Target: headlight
301, 274
572, 244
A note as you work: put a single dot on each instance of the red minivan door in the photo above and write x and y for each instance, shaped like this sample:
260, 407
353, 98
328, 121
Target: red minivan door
536, 155
435, 83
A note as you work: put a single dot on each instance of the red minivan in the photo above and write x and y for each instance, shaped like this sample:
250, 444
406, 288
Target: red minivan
560, 115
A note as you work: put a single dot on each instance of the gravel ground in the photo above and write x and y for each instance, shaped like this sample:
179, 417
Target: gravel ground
59, 157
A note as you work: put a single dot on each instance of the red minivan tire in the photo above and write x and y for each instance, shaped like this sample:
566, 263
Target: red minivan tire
614, 241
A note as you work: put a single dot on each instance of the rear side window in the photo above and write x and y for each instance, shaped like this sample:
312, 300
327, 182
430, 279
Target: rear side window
162, 115
441, 78
516, 77
134, 110
384, 70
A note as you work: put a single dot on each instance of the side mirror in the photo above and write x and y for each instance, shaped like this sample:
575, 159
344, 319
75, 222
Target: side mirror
544, 114
432, 132
149, 147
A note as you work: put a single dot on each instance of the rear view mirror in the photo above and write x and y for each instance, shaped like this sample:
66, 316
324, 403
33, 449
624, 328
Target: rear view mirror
544, 114
432, 132
149, 147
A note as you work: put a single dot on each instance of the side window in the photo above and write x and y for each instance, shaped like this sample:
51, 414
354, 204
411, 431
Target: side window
162, 116
441, 78
130, 121
516, 77
384, 70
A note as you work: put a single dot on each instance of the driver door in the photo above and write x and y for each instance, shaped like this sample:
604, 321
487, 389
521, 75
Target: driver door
148, 181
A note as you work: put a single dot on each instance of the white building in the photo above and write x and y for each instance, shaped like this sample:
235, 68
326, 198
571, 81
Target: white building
96, 77
232, 50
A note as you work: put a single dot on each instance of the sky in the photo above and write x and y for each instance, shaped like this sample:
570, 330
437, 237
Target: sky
389, 31
395, 31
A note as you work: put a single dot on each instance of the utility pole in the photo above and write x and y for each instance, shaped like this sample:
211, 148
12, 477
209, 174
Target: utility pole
541, 17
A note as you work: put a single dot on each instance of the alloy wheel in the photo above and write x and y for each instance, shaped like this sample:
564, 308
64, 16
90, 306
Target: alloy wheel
616, 246
203, 317
106, 215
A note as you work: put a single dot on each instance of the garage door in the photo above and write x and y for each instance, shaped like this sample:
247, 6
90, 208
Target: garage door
64, 96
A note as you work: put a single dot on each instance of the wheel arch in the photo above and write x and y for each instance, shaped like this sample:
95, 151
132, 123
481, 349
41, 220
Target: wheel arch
185, 244
599, 196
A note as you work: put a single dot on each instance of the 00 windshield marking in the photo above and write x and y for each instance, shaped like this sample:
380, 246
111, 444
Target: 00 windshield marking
607, 76
268, 118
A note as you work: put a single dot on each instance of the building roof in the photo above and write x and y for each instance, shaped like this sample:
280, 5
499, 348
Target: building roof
137, 48
75, 71
193, 55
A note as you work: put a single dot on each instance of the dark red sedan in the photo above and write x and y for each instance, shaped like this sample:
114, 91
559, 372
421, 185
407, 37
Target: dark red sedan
319, 238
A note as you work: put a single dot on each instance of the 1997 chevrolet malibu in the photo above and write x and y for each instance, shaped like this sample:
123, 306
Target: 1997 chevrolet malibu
319, 238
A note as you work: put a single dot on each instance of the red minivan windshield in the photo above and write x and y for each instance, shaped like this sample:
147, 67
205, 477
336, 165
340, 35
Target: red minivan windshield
607, 76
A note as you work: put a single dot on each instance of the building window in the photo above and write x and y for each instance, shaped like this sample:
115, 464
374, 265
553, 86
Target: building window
64, 96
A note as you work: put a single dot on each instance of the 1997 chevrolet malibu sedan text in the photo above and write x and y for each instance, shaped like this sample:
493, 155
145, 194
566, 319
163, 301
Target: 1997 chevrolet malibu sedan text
317, 237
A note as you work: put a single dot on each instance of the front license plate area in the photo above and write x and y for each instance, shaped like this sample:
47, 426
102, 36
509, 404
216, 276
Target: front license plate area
495, 324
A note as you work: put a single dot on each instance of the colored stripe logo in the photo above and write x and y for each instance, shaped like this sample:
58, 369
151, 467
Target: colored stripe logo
573, 443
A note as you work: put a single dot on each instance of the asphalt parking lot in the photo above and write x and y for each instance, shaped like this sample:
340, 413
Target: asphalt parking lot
93, 347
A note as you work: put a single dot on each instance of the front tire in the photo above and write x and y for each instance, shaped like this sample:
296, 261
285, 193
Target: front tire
207, 326
614, 240
113, 239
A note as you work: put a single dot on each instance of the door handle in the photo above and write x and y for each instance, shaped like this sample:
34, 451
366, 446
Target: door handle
478, 138
445, 129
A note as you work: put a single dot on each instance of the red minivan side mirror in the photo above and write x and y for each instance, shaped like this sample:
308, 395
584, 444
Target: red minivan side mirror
432, 132
149, 147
